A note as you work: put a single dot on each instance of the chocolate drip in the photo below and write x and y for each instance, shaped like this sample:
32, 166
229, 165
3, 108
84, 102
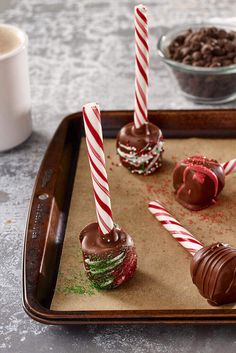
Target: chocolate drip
140, 150
198, 181
213, 271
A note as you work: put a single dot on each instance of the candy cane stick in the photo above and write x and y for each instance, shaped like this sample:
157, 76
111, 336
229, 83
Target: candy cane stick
183, 236
229, 167
141, 66
94, 140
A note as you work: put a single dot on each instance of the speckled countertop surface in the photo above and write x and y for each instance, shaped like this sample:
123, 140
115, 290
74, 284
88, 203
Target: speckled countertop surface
81, 51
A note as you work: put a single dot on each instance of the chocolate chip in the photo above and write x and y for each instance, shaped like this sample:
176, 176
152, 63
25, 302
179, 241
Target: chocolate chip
197, 56
206, 49
195, 46
180, 39
188, 39
212, 32
198, 63
226, 62
213, 42
229, 47
203, 38
230, 35
217, 64
187, 60
230, 55
177, 56
222, 33
216, 59
218, 51
185, 51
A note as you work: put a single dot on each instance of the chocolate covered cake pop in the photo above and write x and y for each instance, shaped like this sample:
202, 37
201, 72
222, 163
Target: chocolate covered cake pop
213, 268
109, 259
213, 271
108, 252
140, 149
198, 181
140, 144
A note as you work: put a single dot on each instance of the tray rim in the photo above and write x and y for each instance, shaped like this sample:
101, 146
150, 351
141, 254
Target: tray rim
47, 316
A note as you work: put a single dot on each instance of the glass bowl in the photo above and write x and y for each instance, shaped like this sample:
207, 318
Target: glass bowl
200, 84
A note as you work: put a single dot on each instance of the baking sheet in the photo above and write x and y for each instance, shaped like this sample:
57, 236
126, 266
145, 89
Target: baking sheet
162, 280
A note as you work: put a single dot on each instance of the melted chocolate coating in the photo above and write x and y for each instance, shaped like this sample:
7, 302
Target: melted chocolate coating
141, 149
213, 271
197, 182
95, 243
109, 259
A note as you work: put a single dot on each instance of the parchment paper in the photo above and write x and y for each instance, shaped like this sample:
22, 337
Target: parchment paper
162, 280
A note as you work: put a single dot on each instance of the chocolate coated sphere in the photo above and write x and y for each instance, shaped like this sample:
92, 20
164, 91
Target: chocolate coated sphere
198, 181
141, 149
213, 271
109, 259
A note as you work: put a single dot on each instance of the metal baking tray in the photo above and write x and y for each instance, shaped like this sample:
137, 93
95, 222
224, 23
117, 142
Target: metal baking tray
50, 205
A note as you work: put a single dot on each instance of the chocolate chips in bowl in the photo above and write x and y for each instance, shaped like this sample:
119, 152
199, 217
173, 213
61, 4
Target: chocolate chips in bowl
203, 61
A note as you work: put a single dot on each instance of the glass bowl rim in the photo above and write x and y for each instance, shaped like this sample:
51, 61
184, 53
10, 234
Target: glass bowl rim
176, 30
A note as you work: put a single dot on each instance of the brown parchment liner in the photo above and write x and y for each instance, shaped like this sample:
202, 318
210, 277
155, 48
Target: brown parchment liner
162, 280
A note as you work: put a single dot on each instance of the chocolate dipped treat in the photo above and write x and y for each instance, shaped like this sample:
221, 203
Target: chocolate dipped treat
213, 271
197, 182
139, 144
108, 252
213, 268
109, 259
140, 149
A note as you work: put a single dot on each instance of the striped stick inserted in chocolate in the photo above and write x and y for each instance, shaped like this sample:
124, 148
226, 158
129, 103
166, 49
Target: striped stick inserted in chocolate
140, 143
183, 236
229, 167
212, 267
94, 140
108, 251
141, 66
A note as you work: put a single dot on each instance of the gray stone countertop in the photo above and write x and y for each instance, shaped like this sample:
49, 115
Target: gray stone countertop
81, 51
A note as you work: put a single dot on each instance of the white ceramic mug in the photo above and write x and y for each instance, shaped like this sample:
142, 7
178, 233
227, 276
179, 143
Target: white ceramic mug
15, 102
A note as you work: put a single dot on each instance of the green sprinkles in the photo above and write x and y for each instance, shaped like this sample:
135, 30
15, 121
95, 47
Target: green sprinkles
76, 283
74, 290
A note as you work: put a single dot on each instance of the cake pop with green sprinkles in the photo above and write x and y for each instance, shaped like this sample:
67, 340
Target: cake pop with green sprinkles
109, 253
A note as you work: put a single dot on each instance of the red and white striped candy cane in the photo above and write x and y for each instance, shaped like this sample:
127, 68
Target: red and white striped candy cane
183, 236
141, 66
94, 140
229, 167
